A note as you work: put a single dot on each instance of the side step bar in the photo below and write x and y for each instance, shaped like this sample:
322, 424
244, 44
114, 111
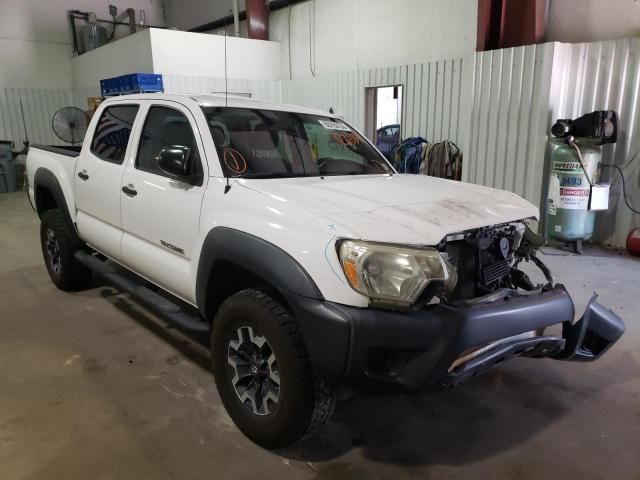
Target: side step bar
151, 299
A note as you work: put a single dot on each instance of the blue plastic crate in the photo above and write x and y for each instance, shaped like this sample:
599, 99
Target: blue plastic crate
132, 83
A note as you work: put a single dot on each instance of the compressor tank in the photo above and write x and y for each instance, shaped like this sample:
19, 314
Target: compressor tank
568, 215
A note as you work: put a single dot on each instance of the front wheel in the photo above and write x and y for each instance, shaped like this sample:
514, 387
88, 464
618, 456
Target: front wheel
262, 371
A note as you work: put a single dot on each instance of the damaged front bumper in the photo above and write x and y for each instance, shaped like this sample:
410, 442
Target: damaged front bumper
586, 340
444, 345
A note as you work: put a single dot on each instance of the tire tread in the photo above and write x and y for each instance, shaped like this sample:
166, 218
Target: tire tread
316, 402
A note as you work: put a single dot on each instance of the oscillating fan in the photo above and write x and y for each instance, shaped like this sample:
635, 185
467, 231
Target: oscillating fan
70, 124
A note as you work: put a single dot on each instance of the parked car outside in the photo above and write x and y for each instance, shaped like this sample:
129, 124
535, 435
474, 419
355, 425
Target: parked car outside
387, 138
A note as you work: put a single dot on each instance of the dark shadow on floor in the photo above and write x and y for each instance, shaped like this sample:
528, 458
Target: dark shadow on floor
477, 420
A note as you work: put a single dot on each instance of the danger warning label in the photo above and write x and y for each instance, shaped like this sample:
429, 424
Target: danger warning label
574, 198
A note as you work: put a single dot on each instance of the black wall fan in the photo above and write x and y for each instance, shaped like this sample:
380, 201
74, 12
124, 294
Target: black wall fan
70, 124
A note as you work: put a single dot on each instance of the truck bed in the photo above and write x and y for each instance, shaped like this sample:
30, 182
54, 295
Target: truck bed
68, 150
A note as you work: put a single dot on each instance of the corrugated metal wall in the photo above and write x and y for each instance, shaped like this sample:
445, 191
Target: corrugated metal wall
270, 90
39, 106
606, 76
432, 93
497, 105
508, 119
517, 94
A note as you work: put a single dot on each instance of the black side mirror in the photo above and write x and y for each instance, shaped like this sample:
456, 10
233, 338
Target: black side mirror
176, 161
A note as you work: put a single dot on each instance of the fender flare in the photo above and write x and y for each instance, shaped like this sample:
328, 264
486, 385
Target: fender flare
46, 179
256, 255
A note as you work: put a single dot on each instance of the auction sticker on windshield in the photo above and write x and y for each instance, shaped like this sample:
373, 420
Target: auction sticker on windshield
329, 125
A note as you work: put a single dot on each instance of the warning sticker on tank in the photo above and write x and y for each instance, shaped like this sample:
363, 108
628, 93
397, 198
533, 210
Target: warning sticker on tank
574, 198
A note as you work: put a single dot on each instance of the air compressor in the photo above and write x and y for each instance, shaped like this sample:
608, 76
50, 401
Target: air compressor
575, 193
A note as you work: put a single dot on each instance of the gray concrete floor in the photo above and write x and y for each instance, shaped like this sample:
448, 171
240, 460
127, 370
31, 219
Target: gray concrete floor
94, 386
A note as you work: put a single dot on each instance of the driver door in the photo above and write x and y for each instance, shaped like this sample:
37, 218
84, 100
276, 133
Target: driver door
161, 215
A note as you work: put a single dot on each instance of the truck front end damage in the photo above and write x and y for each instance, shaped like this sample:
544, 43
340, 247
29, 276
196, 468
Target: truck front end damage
484, 311
585, 340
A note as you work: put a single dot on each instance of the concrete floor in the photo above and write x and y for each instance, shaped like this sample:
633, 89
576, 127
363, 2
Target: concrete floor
93, 386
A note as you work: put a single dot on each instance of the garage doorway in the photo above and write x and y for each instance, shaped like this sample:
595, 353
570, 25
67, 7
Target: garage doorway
383, 117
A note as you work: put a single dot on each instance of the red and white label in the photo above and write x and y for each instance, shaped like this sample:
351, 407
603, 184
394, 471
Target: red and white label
573, 198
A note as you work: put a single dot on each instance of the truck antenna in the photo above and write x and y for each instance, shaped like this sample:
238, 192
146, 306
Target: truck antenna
226, 91
24, 124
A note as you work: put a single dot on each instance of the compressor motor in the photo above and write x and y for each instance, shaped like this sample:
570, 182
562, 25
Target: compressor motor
575, 193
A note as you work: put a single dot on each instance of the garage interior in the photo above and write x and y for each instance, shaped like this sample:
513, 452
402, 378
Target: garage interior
96, 385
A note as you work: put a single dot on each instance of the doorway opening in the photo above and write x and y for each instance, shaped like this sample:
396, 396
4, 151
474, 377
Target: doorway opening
383, 117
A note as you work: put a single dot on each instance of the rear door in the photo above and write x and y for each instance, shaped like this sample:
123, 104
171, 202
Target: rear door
161, 215
98, 178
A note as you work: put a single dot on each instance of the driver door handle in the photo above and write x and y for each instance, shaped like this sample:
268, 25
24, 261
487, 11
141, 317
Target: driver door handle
129, 191
83, 175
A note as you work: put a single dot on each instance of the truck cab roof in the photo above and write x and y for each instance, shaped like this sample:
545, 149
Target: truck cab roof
220, 100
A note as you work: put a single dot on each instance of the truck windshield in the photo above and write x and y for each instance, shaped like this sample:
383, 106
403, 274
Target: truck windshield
255, 143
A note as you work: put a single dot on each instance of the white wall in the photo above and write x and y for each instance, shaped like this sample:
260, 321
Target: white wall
128, 55
35, 39
592, 20
247, 59
163, 51
352, 35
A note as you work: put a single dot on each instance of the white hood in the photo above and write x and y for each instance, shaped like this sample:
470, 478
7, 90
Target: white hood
414, 209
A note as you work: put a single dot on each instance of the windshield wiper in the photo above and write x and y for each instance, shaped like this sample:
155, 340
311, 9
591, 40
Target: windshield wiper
269, 175
347, 172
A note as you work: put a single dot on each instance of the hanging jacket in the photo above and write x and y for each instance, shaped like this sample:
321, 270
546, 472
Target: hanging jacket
408, 156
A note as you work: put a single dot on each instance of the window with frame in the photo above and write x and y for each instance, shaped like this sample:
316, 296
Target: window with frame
112, 132
165, 127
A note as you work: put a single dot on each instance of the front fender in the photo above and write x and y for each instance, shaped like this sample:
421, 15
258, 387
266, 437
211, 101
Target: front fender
256, 255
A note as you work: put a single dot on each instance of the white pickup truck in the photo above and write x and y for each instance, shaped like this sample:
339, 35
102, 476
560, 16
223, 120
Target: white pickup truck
313, 264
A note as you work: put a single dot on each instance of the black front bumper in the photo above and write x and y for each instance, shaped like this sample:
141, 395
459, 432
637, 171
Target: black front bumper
386, 350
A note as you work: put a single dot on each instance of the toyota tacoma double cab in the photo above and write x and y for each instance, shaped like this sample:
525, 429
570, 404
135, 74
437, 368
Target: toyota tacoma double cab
314, 266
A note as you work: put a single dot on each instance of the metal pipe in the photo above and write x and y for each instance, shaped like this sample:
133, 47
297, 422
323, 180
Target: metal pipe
273, 6
132, 20
74, 34
236, 18
257, 20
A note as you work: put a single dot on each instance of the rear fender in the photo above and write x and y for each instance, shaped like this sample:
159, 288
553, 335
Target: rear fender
45, 179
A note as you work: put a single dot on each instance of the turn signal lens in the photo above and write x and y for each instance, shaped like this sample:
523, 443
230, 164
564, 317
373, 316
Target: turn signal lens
350, 271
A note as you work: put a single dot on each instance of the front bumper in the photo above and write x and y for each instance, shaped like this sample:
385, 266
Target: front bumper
385, 350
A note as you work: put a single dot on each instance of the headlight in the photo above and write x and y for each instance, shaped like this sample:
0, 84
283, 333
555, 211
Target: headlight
390, 274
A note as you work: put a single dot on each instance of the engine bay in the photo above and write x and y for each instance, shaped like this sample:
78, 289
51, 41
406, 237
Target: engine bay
487, 259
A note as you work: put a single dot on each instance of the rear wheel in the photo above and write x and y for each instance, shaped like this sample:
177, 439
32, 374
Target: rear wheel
58, 249
262, 371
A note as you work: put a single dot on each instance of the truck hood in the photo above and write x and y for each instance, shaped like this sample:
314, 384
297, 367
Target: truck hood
414, 209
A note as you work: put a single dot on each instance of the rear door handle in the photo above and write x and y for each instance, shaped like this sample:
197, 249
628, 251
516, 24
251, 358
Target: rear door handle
83, 175
129, 191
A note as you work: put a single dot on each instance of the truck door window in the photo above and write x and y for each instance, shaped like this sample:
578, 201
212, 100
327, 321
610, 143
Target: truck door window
112, 132
165, 127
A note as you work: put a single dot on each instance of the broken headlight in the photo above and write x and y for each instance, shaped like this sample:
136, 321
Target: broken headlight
391, 274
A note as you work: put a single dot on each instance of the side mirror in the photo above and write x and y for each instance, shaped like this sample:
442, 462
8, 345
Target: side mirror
176, 161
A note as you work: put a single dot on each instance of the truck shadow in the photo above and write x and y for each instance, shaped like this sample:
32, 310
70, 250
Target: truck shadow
477, 420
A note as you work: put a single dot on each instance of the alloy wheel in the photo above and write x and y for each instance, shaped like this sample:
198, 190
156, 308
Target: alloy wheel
256, 378
53, 251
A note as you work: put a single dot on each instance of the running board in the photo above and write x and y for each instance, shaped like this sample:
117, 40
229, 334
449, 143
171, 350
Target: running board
151, 299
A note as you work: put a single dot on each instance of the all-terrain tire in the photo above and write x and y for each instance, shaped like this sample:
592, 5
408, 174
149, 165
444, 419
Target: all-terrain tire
58, 249
305, 403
